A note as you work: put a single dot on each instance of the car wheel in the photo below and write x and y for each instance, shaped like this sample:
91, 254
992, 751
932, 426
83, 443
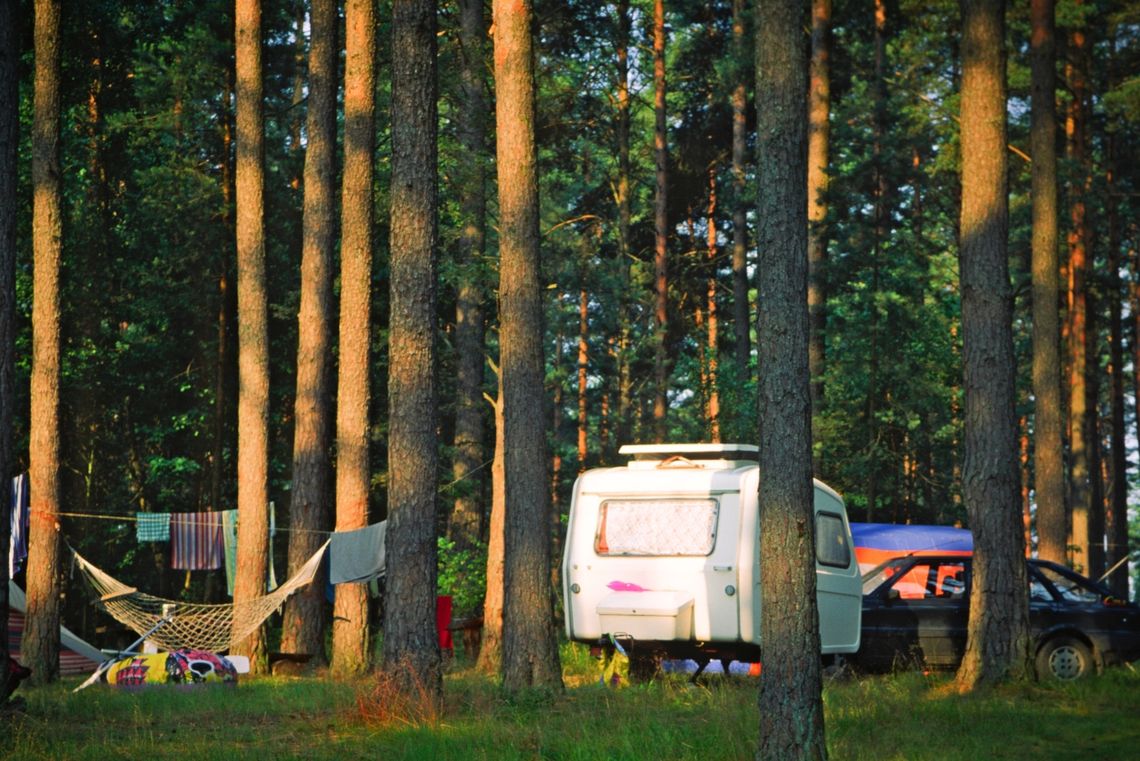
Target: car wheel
1064, 659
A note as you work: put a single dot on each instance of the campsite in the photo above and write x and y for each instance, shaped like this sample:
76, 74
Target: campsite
540, 378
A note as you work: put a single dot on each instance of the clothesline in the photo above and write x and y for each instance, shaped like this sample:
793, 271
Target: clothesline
134, 519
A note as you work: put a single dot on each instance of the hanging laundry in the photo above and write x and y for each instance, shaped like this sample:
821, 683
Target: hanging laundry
152, 527
196, 541
18, 547
229, 543
356, 556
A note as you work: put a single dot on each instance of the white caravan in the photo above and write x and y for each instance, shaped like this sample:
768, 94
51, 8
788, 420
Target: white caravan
664, 552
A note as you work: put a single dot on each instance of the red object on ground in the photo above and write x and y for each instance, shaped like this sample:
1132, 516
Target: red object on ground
443, 621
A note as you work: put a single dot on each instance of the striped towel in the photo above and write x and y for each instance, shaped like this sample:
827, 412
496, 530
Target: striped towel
196, 541
153, 527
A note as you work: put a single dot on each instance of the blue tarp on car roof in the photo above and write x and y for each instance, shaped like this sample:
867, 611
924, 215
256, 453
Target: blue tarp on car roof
904, 538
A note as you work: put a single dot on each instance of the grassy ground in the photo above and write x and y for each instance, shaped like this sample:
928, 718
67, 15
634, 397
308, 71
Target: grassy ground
905, 716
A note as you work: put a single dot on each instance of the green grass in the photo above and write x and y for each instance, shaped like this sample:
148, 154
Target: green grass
904, 716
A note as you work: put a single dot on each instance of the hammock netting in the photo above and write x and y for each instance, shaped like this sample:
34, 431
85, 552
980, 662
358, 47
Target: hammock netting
213, 628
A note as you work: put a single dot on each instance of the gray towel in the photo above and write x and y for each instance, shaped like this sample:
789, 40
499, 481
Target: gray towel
357, 556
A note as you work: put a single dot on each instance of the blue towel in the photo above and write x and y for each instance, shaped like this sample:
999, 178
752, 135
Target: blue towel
153, 527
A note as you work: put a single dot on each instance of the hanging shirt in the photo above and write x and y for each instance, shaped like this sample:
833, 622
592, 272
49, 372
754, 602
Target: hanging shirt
152, 527
18, 547
196, 541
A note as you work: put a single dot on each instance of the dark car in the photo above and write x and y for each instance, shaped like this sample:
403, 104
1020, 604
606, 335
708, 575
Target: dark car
916, 609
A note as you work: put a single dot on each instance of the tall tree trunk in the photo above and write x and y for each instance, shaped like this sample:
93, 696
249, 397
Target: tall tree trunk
998, 643
491, 643
625, 222
1080, 416
660, 227
9, 202
253, 326
303, 627
712, 341
1116, 523
741, 310
411, 644
583, 367
1048, 455
530, 651
791, 701
466, 520
41, 636
819, 137
350, 650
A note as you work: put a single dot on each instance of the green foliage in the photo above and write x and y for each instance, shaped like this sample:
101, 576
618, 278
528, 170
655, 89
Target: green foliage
463, 575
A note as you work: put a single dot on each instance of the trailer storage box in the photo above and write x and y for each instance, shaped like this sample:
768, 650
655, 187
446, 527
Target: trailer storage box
648, 615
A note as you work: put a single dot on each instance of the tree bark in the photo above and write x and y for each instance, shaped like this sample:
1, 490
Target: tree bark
625, 223
466, 520
1048, 457
253, 327
350, 648
660, 227
411, 644
998, 641
40, 649
712, 338
530, 652
791, 701
491, 643
819, 137
303, 627
1080, 419
1116, 523
9, 202
741, 309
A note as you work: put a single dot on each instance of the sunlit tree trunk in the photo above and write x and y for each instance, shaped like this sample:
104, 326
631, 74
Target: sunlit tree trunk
661, 227
303, 627
40, 648
1048, 456
998, 640
491, 645
350, 650
253, 327
1081, 429
411, 644
466, 519
530, 651
625, 222
9, 202
791, 700
819, 137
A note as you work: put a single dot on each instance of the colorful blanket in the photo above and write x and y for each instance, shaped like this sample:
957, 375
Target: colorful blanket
179, 667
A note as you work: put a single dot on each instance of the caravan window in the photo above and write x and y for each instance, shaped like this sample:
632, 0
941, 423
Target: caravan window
656, 527
831, 546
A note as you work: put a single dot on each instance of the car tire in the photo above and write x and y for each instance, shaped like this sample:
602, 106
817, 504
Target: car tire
1064, 659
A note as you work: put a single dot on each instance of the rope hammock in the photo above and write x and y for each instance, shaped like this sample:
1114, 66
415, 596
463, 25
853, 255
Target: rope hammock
213, 628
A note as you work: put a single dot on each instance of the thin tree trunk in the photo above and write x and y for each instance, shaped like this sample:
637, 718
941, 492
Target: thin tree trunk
1117, 519
467, 513
9, 202
350, 648
253, 327
819, 137
791, 701
411, 644
583, 360
303, 627
625, 222
1048, 456
491, 644
712, 340
1079, 263
530, 652
661, 228
997, 645
741, 309
41, 636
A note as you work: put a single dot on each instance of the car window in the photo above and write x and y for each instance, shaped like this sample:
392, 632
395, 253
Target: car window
925, 580
1038, 592
1070, 589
